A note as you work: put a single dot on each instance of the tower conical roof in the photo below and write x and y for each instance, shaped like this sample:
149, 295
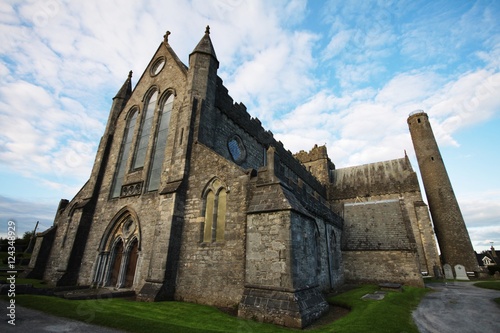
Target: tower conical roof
205, 45
126, 89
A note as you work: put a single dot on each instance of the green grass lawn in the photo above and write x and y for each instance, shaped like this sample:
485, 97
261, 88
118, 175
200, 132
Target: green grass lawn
392, 314
35, 282
144, 316
490, 285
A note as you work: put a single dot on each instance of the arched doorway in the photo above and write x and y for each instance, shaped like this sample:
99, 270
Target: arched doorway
119, 252
116, 255
132, 263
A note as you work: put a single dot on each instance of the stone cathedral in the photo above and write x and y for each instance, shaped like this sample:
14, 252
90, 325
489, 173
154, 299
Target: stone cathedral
191, 199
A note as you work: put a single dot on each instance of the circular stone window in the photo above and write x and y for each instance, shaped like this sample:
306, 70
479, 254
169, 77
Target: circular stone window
237, 149
157, 66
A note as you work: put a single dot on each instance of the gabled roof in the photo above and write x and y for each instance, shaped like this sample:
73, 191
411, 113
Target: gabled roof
166, 45
489, 255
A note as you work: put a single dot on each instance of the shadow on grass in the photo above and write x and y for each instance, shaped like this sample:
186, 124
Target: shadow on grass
392, 314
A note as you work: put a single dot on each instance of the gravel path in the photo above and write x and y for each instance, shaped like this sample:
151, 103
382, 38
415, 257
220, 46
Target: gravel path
458, 307
28, 321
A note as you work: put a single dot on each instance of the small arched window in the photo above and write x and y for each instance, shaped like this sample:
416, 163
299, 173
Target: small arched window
213, 227
144, 132
121, 165
160, 144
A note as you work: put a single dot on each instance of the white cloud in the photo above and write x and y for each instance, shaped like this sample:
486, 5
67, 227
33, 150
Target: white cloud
351, 87
39, 135
409, 87
367, 126
15, 210
63, 56
337, 44
482, 237
269, 82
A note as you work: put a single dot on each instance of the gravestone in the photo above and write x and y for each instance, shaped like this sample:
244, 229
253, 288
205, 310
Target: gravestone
377, 296
497, 275
448, 273
460, 272
438, 274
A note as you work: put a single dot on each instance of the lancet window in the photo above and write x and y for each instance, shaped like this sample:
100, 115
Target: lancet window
214, 224
124, 153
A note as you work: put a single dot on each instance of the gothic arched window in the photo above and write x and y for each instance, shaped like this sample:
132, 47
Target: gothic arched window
121, 165
160, 144
214, 224
146, 125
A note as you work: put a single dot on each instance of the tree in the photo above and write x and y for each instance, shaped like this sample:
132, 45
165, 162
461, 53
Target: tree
27, 236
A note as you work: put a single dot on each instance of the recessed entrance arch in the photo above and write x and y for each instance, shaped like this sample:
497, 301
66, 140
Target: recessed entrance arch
119, 252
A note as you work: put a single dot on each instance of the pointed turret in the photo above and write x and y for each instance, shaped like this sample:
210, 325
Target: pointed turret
205, 46
119, 102
202, 73
126, 89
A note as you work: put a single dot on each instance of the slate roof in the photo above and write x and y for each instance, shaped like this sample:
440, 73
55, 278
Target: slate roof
489, 254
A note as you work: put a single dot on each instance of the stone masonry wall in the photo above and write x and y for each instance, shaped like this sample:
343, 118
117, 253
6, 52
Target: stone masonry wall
420, 222
281, 285
331, 269
379, 230
382, 266
426, 242
213, 272
389, 180
316, 253
41, 253
268, 243
378, 225
67, 225
305, 251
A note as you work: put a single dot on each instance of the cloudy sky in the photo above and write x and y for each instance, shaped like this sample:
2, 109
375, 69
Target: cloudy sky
341, 73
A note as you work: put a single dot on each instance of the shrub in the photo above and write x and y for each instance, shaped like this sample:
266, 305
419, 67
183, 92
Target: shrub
493, 269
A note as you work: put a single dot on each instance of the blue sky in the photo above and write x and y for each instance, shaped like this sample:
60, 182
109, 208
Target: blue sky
341, 73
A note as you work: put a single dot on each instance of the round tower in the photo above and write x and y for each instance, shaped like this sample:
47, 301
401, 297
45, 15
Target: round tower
451, 232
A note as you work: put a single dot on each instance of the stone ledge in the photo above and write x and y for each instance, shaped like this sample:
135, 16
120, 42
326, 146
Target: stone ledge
391, 286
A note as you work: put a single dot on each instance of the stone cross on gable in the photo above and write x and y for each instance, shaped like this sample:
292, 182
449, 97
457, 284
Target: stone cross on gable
165, 37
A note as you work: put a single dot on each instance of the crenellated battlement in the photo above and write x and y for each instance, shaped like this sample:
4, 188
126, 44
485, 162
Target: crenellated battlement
237, 112
317, 162
316, 153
